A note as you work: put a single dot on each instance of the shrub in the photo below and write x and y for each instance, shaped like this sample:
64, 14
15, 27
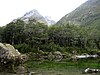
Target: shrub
23, 48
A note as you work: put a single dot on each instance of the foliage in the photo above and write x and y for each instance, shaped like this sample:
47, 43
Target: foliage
24, 48
32, 37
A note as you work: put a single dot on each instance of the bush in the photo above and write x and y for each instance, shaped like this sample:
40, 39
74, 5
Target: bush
23, 48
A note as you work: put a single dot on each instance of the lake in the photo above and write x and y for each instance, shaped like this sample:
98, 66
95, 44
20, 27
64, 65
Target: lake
70, 71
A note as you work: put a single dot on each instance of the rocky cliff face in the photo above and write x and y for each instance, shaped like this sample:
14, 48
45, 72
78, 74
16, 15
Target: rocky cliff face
85, 14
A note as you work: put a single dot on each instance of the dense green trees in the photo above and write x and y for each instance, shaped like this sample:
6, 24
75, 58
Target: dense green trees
35, 36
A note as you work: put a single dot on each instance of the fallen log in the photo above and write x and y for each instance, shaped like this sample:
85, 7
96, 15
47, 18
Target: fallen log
91, 71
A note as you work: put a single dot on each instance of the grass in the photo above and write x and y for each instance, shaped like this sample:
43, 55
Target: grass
60, 68
64, 67
63, 64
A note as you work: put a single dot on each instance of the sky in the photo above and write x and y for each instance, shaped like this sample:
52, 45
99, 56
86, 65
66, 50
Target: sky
56, 9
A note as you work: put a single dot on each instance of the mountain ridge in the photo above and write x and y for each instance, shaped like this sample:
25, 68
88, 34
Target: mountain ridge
83, 15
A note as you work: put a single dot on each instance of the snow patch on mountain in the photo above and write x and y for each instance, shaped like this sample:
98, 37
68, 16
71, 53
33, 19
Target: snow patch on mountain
35, 16
49, 20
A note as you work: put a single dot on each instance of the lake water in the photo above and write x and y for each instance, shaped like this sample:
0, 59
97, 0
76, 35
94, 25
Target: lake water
55, 72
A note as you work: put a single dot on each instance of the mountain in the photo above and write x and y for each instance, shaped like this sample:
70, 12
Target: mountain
49, 20
35, 16
86, 14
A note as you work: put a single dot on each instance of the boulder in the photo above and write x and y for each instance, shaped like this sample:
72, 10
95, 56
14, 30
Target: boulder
10, 57
58, 55
21, 70
8, 52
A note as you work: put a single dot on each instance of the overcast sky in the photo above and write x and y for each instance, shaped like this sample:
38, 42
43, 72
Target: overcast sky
56, 9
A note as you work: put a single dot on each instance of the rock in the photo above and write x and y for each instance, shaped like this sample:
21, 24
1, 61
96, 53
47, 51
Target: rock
58, 55
8, 52
32, 73
21, 70
51, 56
10, 57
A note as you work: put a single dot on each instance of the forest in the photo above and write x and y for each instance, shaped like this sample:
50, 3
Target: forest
35, 36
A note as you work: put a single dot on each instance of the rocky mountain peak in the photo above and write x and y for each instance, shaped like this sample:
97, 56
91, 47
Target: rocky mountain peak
32, 12
35, 15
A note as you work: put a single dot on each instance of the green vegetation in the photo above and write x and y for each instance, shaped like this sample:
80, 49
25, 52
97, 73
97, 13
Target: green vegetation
62, 68
64, 65
33, 37
53, 46
86, 14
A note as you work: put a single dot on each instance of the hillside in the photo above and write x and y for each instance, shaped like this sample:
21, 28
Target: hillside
86, 14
